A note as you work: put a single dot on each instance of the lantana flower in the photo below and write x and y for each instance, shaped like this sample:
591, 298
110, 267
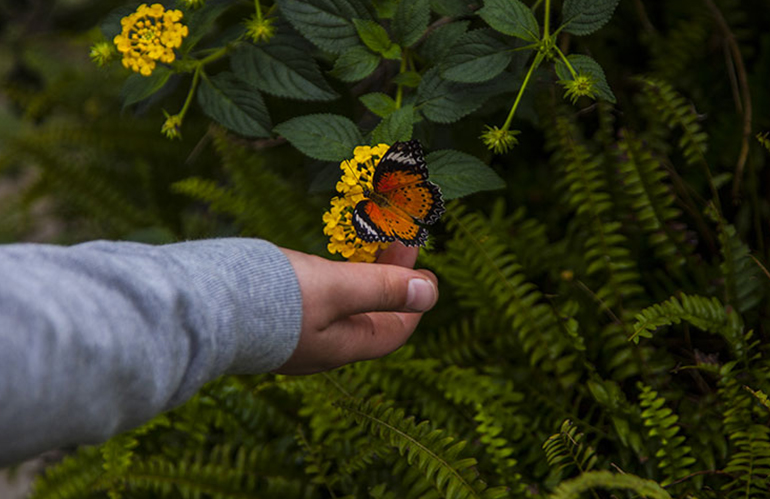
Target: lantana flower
356, 177
149, 35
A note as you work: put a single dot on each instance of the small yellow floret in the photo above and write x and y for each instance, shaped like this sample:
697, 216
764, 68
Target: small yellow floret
149, 35
172, 126
582, 85
338, 220
259, 29
499, 140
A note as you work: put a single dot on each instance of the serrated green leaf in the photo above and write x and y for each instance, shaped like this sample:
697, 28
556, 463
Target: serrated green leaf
477, 57
232, 103
442, 40
385, 9
583, 17
461, 174
138, 87
586, 65
410, 21
451, 8
443, 101
409, 79
397, 126
511, 17
355, 64
373, 35
281, 69
328, 137
326, 23
200, 21
378, 103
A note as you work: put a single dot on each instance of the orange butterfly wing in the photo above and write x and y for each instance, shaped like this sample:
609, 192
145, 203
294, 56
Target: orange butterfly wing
402, 197
377, 223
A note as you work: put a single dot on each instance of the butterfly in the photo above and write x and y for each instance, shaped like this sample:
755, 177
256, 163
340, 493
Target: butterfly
402, 199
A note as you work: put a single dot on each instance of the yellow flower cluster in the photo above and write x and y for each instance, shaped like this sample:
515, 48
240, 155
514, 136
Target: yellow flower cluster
356, 177
149, 35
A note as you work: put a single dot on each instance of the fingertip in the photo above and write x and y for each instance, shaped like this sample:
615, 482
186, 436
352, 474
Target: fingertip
398, 254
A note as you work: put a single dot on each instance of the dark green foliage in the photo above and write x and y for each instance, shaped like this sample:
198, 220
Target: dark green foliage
598, 279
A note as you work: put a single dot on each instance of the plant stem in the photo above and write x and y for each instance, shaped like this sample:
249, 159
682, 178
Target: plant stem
566, 61
535, 64
258, 9
400, 90
193, 87
547, 24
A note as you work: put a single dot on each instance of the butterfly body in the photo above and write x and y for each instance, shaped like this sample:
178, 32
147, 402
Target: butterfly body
402, 199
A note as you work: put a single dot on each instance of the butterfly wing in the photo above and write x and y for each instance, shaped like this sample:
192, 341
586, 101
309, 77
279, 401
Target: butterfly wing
401, 178
376, 223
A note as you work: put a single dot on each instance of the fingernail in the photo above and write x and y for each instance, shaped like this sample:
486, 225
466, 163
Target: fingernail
421, 295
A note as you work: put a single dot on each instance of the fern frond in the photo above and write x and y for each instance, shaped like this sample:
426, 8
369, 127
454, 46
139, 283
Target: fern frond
745, 423
434, 453
218, 198
222, 474
72, 478
565, 449
572, 489
674, 457
707, 314
673, 110
674, 54
487, 276
743, 285
461, 343
759, 395
607, 255
645, 183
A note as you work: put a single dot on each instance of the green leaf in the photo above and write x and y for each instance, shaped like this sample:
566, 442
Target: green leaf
355, 64
443, 101
328, 137
378, 103
137, 87
231, 102
441, 40
409, 79
461, 174
397, 126
281, 69
451, 8
374, 36
200, 21
385, 9
326, 23
583, 17
410, 21
586, 65
477, 57
511, 17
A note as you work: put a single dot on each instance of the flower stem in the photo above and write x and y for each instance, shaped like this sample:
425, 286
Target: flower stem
535, 64
400, 89
258, 9
193, 87
547, 24
566, 62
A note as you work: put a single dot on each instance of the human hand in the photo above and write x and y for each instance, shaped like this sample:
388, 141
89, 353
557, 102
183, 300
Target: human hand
357, 311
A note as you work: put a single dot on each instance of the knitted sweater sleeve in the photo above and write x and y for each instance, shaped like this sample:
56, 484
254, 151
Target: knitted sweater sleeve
100, 337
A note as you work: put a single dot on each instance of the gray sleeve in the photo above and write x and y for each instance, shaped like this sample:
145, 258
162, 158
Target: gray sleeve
100, 337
